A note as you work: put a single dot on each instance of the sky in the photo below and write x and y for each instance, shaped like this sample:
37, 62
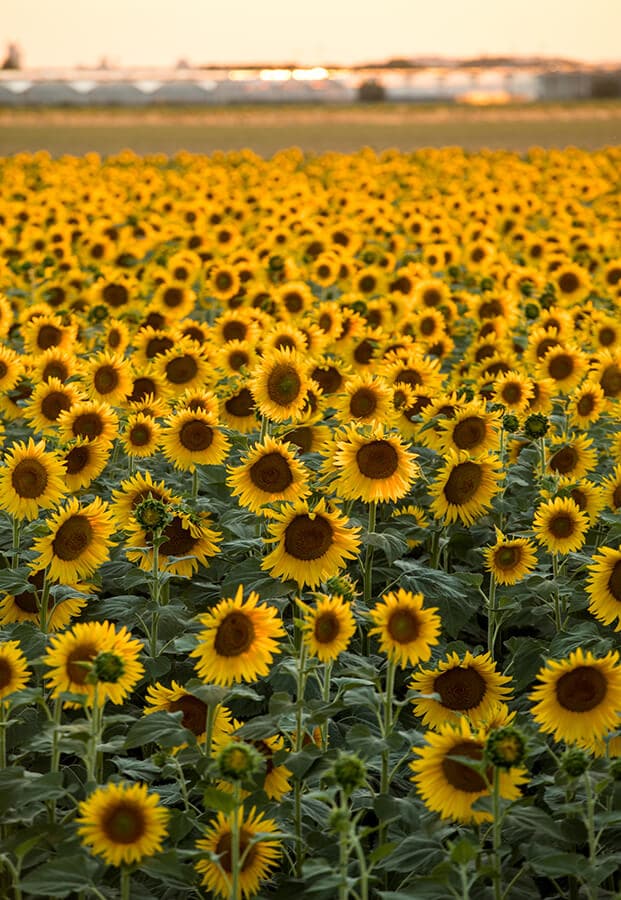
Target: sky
160, 32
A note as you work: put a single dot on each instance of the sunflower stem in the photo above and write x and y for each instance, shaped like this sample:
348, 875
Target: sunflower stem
325, 696
368, 571
557, 597
93, 742
4, 707
212, 712
55, 755
155, 593
235, 835
589, 819
299, 741
44, 603
542, 455
125, 883
491, 615
435, 549
496, 835
363, 868
194, 483
17, 531
387, 723
343, 852
265, 429
130, 465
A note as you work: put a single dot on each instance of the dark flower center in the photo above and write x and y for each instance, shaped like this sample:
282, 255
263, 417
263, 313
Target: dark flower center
463, 483
564, 460
271, 473
460, 776
283, 384
29, 479
196, 435
53, 404
72, 538
403, 626
582, 689
124, 823
469, 433
377, 459
181, 369
106, 379
194, 713
460, 688
234, 635
307, 538
327, 628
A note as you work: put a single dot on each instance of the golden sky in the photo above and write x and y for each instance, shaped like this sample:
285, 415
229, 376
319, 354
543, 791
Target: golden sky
160, 32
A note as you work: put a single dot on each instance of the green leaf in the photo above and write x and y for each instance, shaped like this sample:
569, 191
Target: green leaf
463, 852
556, 865
62, 877
162, 728
218, 801
167, 868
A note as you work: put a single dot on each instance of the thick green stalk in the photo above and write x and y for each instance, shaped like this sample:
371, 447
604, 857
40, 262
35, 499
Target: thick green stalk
325, 696
125, 883
557, 599
17, 526
497, 834
44, 603
235, 840
491, 615
343, 853
368, 560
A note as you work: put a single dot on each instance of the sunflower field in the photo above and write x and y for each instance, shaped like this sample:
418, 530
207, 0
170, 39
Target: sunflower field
310, 557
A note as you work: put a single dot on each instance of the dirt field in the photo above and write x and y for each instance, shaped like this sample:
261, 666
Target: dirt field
314, 129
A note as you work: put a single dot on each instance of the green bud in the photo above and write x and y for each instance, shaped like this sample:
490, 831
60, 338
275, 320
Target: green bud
152, 514
511, 423
338, 822
238, 761
536, 425
349, 772
531, 311
108, 667
487, 283
505, 747
98, 313
343, 586
575, 762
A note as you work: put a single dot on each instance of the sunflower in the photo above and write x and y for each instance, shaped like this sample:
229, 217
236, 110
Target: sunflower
238, 410
30, 480
365, 399
239, 640
510, 559
107, 376
73, 656
187, 536
465, 487
565, 365
198, 399
54, 363
279, 385
78, 541
604, 586
48, 400
327, 627
194, 711
236, 356
25, 605
90, 419
588, 497
14, 671
173, 300
133, 491
276, 782
450, 787
183, 366
11, 368
257, 852
420, 521
578, 699
572, 458
606, 371
191, 438
141, 436
611, 489
372, 465
573, 283
269, 473
586, 404
312, 544
83, 461
122, 823
469, 428
514, 391
45, 331
146, 386
560, 526
405, 630
467, 687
